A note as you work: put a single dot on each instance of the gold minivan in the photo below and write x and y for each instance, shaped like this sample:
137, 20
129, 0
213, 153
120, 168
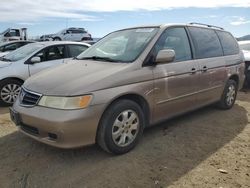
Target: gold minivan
130, 79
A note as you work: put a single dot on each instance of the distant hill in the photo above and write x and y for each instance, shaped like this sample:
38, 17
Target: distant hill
247, 37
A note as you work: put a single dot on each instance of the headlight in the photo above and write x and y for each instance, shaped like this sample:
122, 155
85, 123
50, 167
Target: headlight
66, 103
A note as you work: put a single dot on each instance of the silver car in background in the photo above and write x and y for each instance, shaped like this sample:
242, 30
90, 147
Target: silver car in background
69, 34
245, 47
20, 64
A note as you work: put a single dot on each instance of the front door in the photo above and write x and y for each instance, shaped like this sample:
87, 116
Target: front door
50, 57
175, 82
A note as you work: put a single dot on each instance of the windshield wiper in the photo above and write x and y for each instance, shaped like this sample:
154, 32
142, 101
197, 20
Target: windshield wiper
5, 59
100, 58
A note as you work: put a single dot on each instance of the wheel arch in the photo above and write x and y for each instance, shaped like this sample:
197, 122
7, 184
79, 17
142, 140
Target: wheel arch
235, 77
58, 37
137, 98
13, 78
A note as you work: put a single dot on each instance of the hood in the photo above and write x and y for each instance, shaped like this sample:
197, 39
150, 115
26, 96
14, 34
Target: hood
4, 64
77, 78
4, 53
246, 55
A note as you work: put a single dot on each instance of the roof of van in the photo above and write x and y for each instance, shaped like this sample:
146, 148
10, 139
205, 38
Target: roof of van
47, 43
179, 24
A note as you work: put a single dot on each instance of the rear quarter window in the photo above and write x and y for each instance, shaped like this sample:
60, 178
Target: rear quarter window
229, 44
206, 43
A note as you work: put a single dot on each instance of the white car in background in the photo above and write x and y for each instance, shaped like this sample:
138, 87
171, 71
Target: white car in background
245, 47
22, 63
7, 47
69, 34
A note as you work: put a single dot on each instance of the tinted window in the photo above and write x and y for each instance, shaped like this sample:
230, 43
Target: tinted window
79, 31
76, 31
11, 47
14, 33
52, 53
75, 50
177, 40
229, 44
22, 44
206, 43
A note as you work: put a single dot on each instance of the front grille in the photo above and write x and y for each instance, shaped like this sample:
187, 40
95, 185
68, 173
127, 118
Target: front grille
29, 98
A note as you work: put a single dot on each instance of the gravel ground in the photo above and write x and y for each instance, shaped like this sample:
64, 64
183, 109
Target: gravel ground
205, 148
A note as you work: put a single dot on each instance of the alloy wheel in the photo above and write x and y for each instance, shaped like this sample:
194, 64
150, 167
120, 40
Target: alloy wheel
10, 92
231, 94
125, 128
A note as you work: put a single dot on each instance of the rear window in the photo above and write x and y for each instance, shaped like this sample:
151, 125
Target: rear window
229, 44
206, 43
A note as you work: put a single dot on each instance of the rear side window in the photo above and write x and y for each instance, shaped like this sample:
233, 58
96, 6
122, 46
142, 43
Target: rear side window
229, 44
75, 50
206, 43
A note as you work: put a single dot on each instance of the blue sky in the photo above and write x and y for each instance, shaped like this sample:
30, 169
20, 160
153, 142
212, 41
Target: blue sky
101, 17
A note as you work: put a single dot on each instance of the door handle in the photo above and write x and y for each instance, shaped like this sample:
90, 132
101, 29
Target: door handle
193, 71
204, 69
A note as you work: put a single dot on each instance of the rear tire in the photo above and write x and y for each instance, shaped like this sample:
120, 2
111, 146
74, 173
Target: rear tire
121, 127
57, 39
229, 95
9, 90
86, 39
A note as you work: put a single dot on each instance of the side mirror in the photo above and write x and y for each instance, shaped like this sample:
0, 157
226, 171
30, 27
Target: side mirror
165, 56
35, 60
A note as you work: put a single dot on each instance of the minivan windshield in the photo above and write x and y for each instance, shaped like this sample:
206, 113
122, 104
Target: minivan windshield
120, 46
22, 52
245, 47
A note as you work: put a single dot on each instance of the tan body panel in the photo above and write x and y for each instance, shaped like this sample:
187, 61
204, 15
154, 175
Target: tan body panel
169, 89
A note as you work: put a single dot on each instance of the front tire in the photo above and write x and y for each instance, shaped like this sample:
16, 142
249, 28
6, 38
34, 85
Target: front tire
121, 127
9, 90
229, 95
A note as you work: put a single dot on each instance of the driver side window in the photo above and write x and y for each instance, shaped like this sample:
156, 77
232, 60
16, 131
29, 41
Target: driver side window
68, 32
175, 39
52, 53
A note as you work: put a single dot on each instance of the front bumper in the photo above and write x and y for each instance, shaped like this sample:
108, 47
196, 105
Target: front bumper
60, 128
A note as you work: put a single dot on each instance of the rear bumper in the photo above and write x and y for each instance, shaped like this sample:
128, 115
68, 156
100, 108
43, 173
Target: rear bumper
60, 128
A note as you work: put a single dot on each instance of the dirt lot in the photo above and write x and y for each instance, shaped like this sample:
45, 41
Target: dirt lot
188, 151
